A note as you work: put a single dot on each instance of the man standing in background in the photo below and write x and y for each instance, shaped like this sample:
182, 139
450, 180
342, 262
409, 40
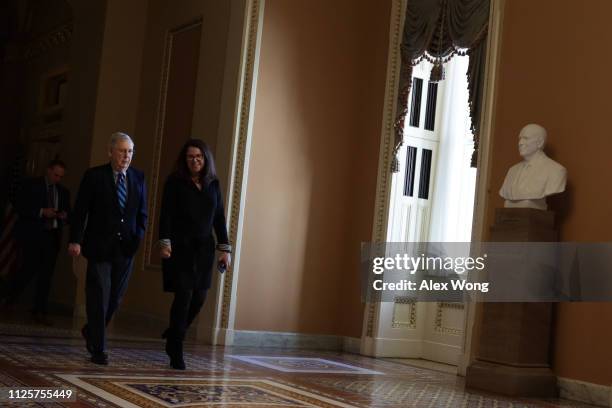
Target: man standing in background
42, 205
109, 221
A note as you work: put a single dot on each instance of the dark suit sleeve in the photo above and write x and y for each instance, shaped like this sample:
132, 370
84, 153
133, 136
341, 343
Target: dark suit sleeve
168, 209
81, 207
26, 204
142, 216
65, 204
219, 220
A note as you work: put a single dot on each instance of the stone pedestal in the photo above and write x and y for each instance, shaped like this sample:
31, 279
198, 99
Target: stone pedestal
523, 225
513, 356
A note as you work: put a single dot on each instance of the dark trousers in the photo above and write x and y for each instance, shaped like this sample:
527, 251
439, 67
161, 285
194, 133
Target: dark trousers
185, 308
105, 286
39, 257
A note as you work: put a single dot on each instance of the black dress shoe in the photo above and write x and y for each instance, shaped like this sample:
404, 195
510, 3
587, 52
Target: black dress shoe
99, 358
174, 349
178, 363
85, 334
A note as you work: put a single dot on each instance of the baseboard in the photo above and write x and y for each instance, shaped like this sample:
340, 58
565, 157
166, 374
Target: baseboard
594, 394
284, 340
80, 311
224, 337
59, 309
442, 353
351, 345
128, 319
386, 347
512, 381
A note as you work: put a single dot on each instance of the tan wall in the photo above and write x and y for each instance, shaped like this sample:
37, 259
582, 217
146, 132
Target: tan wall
145, 294
115, 76
312, 173
118, 84
22, 115
83, 64
119, 77
553, 72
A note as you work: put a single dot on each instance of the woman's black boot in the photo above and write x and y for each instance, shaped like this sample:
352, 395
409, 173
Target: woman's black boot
174, 349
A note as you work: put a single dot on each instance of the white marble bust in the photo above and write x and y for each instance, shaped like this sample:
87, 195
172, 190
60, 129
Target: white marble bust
528, 183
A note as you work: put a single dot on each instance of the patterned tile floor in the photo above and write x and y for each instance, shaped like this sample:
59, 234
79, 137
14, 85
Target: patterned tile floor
139, 376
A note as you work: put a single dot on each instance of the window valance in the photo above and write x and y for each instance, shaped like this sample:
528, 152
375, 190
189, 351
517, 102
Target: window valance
437, 30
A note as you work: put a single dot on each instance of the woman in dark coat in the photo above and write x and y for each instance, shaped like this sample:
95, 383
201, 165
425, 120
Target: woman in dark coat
192, 206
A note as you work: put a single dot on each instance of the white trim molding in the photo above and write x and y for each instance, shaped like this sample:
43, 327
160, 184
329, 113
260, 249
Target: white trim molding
392, 348
383, 184
370, 343
240, 153
487, 122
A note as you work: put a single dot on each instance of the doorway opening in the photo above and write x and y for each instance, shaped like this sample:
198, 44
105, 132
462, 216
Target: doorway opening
432, 200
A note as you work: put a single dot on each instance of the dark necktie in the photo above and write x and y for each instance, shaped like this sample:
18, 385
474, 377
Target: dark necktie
50, 196
121, 191
49, 224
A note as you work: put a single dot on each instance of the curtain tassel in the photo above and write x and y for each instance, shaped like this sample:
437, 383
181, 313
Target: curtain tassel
395, 165
437, 71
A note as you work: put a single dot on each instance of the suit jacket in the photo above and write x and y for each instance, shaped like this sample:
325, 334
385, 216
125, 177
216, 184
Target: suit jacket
188, 217
99, 225
32, 197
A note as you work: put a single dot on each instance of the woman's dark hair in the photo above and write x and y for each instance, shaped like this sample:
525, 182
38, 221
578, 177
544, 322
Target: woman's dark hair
208, 173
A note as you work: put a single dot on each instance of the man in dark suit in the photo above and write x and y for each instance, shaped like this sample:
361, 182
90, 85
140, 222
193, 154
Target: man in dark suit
108, 223
43, 206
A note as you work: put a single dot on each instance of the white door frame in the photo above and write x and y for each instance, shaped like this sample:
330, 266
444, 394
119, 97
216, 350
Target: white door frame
239, 152
370, 344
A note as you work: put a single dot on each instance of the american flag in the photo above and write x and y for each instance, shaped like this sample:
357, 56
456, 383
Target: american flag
9, 251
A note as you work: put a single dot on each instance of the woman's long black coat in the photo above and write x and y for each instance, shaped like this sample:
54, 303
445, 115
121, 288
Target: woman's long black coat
188, 217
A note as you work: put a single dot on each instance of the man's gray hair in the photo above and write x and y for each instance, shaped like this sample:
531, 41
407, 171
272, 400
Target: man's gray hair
117, 136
